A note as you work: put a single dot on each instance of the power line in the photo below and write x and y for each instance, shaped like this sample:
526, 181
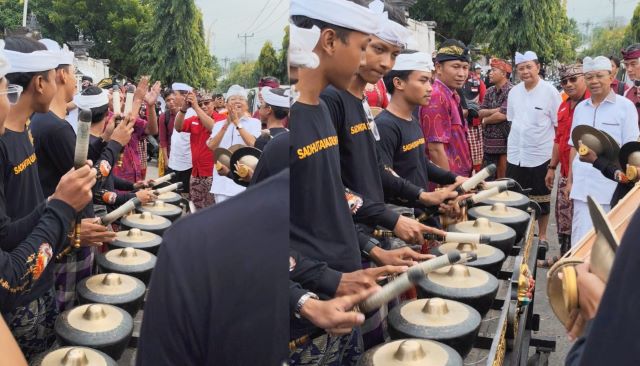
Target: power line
274, 21
257, 16
275, 7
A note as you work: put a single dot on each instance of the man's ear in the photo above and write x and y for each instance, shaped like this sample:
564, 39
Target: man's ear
328, 41
398, 83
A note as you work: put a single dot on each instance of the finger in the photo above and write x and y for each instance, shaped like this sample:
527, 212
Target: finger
339, 331
388, 269
348, 320
347, 302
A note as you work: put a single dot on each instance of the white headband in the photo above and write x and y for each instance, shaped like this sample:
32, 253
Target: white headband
418, 61
342, 13
389, 31
31, 62
599, 63
64, 56
301, 44
5, 66
528, 56
181, 87
274, 99
236, 91
91, 101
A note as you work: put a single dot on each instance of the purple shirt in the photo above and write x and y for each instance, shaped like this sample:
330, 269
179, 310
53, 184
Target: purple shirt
441, 122
132, 167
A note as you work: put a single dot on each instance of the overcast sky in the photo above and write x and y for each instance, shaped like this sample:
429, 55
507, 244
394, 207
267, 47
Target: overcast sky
225, 19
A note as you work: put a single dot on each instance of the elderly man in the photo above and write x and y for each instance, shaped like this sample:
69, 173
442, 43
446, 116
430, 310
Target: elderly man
493, 114
442, 120
238, 128
631, 56
573, 84
533, 112
608, 112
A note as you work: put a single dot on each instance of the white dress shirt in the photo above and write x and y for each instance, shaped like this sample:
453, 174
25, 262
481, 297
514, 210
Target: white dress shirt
180, 156
618, 117
533, 115
223, 185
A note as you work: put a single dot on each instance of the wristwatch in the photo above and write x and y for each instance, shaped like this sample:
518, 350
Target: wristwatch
303, 299
239, 126
420, 192
551, 167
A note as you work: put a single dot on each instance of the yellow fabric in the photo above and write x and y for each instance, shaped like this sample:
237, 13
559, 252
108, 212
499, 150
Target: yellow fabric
160, 163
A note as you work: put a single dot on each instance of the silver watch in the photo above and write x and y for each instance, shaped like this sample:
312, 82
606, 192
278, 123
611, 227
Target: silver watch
301, 301
239, 126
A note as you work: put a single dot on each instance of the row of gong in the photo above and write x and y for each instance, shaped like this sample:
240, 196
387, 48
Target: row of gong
98, 331
440, 327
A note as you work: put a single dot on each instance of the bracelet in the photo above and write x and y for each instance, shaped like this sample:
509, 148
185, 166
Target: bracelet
301, 301
420, 192
184, 112
552, 167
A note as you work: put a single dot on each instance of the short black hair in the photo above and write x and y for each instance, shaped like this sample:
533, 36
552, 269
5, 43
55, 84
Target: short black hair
97, 113
615, 60
279, 112
24, 44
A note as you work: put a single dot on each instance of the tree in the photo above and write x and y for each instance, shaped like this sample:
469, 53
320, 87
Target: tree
268, 63
283, 68
605, 42
113, 26
241, 73
449, 16
172, 48
509, 26
632, 33
11, 14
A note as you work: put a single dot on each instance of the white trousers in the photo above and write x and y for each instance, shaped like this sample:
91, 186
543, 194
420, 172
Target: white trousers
221, 197
581, 223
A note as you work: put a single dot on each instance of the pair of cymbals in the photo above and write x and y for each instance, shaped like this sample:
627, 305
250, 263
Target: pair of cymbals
563, 290
245, 156
630, 154
597, 140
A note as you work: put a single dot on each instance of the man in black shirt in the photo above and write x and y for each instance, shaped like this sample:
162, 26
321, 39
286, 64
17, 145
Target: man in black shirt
211, 303
401, 144
273, 111
322, 234
31, 315
54, 143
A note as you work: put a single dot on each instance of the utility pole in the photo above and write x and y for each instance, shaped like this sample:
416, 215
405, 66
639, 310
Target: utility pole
225, 61
613, 19
245, 36
24, 13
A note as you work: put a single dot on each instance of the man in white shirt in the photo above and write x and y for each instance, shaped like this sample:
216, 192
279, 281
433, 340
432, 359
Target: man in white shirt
533, 112
611, 113
180, 158
238, 128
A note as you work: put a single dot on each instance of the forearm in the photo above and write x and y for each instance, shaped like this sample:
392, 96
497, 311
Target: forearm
13, 232
179, 121
484, 113
248, 138
314, 275
572, 155
214, 142
555, 155
152, 121
439, 175
495, 118
204, 118
438, 156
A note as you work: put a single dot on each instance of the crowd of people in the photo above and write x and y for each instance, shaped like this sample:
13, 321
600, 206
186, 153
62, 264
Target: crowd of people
380, 135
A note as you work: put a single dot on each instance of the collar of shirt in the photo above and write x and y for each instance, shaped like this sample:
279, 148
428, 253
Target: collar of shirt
444, 88
611, 98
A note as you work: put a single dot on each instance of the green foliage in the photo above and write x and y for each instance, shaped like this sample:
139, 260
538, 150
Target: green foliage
268, 62
449, 16
509, 26
605, 42
632, 33
10, 14
171, 47
241, 73
113, 26
283, 67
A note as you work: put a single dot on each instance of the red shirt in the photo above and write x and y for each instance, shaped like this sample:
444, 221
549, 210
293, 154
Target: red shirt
377, 95
563, 132
201, 156
165, 129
